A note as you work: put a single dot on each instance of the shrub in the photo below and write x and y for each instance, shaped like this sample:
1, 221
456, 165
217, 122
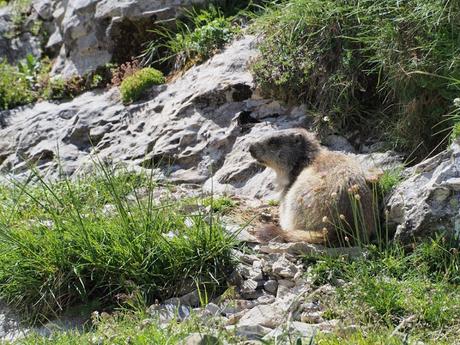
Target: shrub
393, 76
134, 86
95, 238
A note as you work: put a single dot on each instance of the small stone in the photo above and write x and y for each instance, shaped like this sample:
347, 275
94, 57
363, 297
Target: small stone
311, 307
257, 264
284, 286
295, 328
256, 274
266, 299
249, 285
235, 318
271, 286
200, 339
250, 332
253, 294
284, 268
238, 305
266, 315
212, 309
244, 270
311, 317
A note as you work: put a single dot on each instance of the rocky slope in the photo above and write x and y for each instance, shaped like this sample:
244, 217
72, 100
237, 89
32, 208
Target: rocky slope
196, 130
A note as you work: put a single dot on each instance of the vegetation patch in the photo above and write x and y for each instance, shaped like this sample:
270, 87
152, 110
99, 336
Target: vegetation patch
417, 290
137, 328
197, 37
135, 85
32, 81
395, 76
97, 239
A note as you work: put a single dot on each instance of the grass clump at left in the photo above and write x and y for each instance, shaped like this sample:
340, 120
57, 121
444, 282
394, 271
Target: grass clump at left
97, 238
135, 85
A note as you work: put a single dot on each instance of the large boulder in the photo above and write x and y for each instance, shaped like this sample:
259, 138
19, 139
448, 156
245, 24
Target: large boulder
428, 201
195, 129
91, 33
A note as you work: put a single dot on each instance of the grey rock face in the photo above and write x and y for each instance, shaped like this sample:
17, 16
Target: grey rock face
16, 38
91, 33
190, 131
428, 202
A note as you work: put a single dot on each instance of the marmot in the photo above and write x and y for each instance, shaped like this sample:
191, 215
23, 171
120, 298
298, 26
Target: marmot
324, 195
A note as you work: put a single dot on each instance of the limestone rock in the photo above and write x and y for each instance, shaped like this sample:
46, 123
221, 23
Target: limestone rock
200, 339
249, 332
284, 268
427, 203
93, 32
266, 315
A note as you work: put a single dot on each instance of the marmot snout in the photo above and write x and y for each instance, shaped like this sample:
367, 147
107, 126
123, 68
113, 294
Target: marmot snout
317, 189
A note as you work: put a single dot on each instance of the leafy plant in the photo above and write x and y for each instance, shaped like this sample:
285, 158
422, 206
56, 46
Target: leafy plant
132, 87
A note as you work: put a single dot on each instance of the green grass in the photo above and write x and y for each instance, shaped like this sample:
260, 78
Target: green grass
21, 93
369, 337
135, 328
32, 82
72, 242
196, 37
384, 288
395, 77
135, 85
389, 180
220, 204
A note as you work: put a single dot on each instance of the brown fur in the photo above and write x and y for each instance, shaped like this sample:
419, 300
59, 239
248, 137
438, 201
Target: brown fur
315, 183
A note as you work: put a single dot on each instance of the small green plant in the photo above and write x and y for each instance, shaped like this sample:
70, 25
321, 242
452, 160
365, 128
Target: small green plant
219, 204
389, 180
19, 94
455, 131
134, 86
273, 202
196, 38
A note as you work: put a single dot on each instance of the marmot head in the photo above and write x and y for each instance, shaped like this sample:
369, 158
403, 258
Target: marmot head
286, 151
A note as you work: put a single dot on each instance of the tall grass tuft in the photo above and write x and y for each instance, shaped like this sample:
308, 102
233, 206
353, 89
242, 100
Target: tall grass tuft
106, 237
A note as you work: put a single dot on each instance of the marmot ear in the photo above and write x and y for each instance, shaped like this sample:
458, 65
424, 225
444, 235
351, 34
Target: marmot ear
298, 138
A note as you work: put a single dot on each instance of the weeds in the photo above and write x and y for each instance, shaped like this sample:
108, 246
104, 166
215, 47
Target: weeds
196, 38
95, 238
221, 204
32, 81
391, 285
